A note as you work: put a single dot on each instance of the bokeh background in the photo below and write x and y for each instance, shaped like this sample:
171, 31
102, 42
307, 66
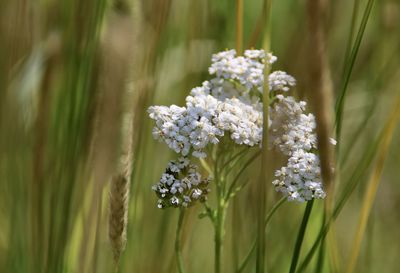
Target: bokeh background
75, 75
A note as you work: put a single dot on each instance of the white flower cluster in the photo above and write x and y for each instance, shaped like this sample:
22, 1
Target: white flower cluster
248, 70
292, 131
226, 103
291, 128
242, 120
230, 103
280, 80
181, 185
183, 129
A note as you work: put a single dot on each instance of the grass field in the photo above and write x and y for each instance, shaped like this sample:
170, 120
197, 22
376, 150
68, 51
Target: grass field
78, 159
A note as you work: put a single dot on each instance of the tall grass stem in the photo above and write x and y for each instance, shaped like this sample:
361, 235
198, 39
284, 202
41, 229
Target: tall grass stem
300, 236
349, 68
253, 247
373, 184
265, 154
178, 246
239, 26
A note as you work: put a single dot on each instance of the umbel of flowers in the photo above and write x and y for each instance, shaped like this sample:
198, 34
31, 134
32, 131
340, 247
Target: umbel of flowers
230, 105
180, 185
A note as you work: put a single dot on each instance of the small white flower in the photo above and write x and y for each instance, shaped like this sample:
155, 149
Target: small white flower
292, 132
177, 188
196, 193
230, 103
254, 54
174, 201
280, 80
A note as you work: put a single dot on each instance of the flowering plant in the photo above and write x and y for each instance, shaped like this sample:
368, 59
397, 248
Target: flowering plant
222, 123
229, 104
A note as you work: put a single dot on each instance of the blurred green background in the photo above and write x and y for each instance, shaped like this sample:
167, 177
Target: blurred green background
74, 75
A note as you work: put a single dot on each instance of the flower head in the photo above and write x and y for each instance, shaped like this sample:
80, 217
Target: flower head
292, 132
181, 185
230, 103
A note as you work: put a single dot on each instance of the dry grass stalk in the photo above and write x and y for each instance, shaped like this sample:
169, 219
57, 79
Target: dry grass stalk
320, 89
239, 26
118, 218
112, 104
119, 198
121, 45
373, 184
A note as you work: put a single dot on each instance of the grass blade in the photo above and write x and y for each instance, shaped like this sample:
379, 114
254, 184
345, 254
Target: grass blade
253, 247
351, 184
178, 251
354, 16
349, 68
300, 236
239, 26
265, 154
373, 184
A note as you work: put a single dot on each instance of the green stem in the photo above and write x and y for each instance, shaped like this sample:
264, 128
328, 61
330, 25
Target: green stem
321, 254
300, 236
219, 234
253, 247
265, 155
219, 219
351, 184
178, 251
349, 68
236, 179
205, 165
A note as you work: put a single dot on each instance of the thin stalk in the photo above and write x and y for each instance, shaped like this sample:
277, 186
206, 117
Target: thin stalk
219, 235
321, 254
265, 155
178, 247
239, 26
385, 72
332, 250
350, 186
300, 236
262, 18
373, 184
235, 233
236, 179
234, 159
253, 247
351, 33
219, 220
233, 164
349, 68
205, 165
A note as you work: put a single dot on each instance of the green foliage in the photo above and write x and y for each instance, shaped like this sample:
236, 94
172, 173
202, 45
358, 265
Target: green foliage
74, 73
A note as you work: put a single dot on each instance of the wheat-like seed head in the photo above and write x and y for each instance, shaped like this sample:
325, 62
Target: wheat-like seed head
118, 214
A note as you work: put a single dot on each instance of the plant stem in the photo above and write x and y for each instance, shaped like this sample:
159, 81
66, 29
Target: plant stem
351, 184
372, 188
300, 236
239, 26
351, 33
253, 247
236, 179
265, 155
205, 165
321, 254
219, 234
219, 220
349, 68
178, 251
